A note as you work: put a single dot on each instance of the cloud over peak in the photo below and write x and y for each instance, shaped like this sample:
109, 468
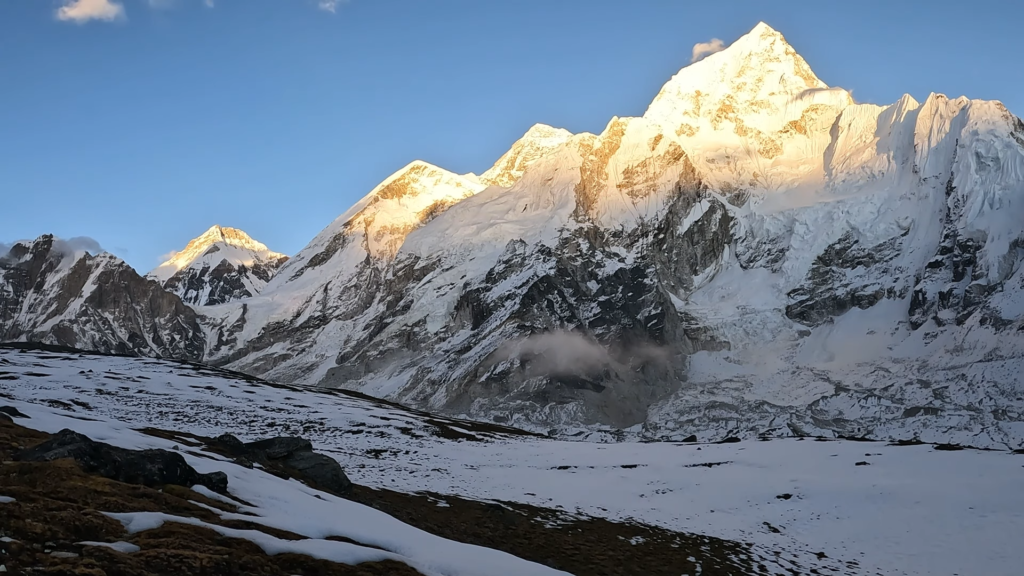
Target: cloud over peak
702, 50
82, 11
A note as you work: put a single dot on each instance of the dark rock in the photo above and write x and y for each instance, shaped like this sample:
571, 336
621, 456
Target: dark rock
279, 447
863, 464
948, 447
216, 481
243, 462
786, 496
322, 470
12, 412
231, 444
290, 456
146, 467
690, 438
729, 440
707, 464
911, 442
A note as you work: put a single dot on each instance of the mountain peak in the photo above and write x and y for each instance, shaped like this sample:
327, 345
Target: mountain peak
544, 131
231, 236
759, 61
756, 102
538, 141
762, 32
246, 248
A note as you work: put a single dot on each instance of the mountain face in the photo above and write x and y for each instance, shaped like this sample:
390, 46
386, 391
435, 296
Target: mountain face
758, 254
221, 265
52, 293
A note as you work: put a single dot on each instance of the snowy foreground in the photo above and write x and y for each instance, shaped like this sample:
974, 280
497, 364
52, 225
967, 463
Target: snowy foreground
909, 510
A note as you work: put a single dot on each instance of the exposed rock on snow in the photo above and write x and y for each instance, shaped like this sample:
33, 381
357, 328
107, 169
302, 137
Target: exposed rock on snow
291, 455
146, 467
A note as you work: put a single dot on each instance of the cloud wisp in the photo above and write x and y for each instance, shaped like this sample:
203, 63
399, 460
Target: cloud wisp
329, 5
702, 50
77, 244
82, 11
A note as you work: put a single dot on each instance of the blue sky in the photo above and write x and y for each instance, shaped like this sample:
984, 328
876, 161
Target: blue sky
147, 125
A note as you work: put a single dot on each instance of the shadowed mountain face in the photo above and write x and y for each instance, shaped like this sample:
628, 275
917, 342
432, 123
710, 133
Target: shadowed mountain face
73, 298
756, 255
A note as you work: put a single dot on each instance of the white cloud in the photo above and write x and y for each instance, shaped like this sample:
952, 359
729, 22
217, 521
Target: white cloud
77, 244
329, 5
81, 11
702, 50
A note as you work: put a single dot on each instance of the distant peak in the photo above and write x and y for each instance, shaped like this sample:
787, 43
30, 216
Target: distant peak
226, 235
415, 171
544, 131
420, 166
763, 30
538, 141
762, 42
218, 233
199, 246
760, 74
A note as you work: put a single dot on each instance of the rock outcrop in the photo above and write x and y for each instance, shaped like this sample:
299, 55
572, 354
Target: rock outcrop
290, 456
151, 468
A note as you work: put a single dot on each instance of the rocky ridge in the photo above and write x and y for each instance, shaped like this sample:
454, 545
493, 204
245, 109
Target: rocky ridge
51, 293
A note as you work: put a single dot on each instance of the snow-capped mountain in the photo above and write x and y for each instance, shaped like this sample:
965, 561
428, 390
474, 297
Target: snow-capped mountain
757, 254
221, 265
539, 141
54, 292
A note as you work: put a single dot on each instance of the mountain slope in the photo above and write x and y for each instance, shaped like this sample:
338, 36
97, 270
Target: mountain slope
221, 265
757, 254
52, 293
799, 507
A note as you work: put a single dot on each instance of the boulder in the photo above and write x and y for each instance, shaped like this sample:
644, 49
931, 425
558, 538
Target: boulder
323, 471
231, 444
289, 456
11, 412
146, 467
280, 447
